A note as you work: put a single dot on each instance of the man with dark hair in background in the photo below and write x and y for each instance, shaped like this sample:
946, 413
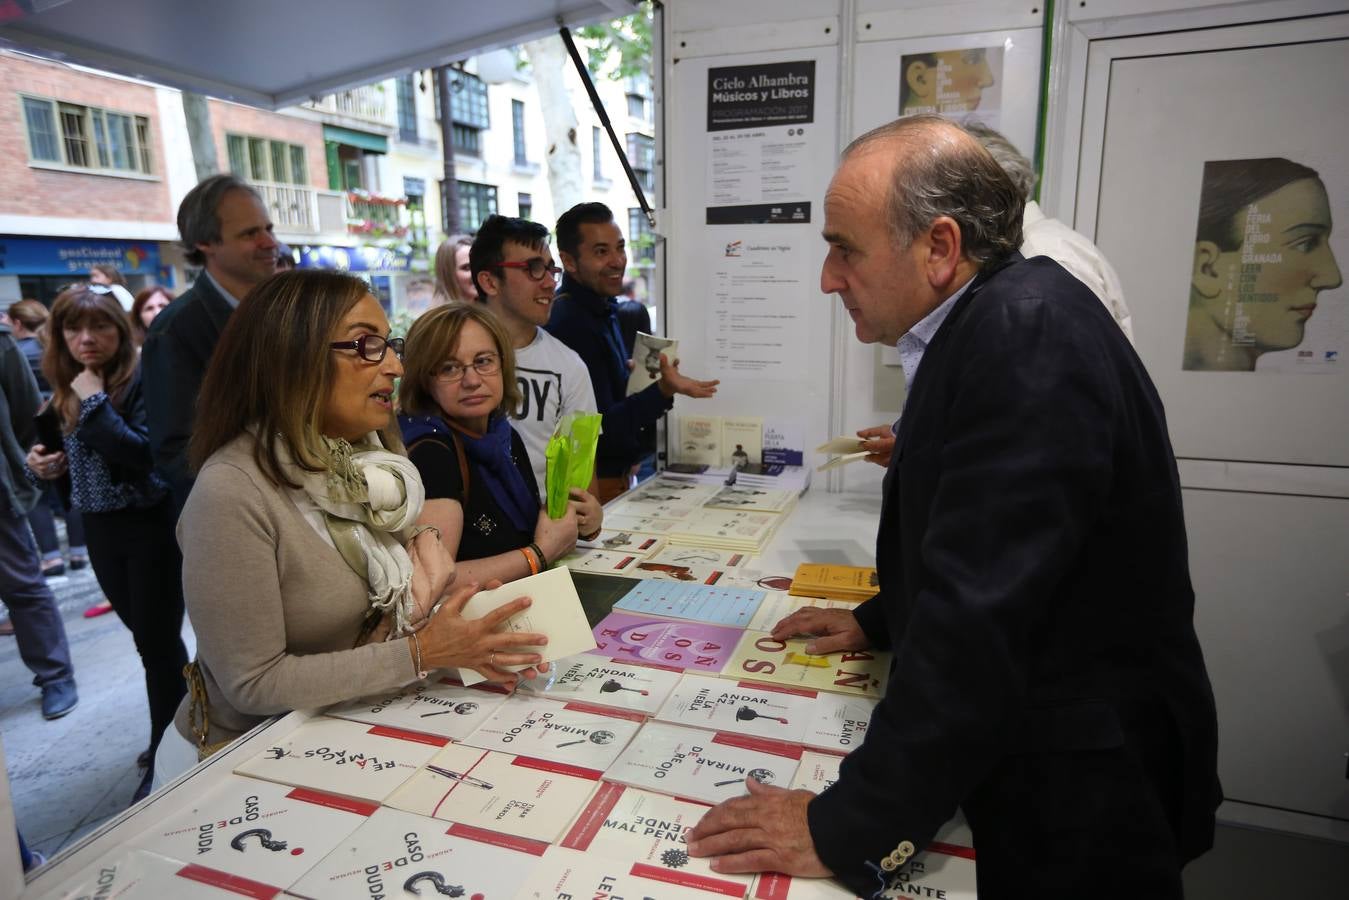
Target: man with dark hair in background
1033, 573
515, 277
224, 228
585, 318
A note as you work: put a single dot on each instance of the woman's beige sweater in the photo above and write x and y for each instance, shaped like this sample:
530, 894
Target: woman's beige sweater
276, 609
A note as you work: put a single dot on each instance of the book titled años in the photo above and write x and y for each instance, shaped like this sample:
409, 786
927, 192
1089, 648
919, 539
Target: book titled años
575, 734
515, 795
401, 854
268, 832
443, 707
647, 829
702, 765
759, 657
605, 682
347, 758
695, 646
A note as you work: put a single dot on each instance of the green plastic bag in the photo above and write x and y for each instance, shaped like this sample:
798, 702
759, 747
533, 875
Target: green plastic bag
571, 458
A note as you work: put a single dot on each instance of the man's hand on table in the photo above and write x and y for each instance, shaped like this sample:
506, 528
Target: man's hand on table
766, 831
833, 630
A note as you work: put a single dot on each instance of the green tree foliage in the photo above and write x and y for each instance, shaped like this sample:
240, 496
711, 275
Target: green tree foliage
620, 48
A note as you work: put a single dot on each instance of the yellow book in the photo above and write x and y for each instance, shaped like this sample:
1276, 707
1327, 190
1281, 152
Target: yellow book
837, 582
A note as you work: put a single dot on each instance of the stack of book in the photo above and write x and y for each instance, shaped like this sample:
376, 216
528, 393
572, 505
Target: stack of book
852, 583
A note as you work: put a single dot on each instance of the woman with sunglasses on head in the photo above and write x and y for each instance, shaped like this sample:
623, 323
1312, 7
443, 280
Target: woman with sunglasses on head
92, 366
302, 488
481, 491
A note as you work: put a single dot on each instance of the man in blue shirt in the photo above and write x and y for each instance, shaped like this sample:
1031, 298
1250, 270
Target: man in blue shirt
584, 317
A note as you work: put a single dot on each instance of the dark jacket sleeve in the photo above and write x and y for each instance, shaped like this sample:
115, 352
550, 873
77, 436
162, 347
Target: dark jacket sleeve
172, 374
21, 390
1020, 468
121, 438
620, 445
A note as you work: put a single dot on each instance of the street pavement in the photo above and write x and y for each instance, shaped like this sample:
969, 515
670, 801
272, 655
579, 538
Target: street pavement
69, 775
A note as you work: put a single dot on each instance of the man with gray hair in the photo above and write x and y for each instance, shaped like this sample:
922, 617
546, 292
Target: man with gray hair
1034, 584
225, 229
1040, 236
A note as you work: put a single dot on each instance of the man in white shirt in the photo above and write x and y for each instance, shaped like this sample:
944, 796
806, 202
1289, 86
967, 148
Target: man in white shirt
516, 278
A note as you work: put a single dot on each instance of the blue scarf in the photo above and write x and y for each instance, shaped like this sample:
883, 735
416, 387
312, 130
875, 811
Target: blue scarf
490, 461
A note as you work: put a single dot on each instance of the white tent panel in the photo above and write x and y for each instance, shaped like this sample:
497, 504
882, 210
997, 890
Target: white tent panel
272, 54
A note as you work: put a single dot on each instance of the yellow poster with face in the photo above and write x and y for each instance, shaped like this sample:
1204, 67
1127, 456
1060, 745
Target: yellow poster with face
1262, 257
961, 84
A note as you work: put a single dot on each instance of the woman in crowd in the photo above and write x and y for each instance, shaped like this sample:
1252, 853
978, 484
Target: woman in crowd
93, 369
28, 320
454, 281
301, 484
480, 488
148, 304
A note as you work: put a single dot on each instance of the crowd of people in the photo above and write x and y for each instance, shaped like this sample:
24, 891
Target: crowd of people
369, 483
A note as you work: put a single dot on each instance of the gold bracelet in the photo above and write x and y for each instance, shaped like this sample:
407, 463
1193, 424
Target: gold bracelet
417, 651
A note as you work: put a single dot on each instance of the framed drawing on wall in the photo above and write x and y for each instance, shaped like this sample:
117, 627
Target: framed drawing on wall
1222, 200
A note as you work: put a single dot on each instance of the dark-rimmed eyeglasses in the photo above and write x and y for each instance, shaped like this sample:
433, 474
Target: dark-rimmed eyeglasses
483, 364
371, 347
534, 267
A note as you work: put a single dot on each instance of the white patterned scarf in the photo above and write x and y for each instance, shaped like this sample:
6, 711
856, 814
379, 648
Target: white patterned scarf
370, 499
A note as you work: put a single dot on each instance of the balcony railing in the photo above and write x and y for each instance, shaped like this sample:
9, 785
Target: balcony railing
293, 207
365, 103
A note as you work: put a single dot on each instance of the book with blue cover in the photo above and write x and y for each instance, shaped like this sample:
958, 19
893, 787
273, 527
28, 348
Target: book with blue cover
697, 602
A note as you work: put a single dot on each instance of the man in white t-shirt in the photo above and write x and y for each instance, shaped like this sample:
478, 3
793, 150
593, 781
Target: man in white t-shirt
516, 278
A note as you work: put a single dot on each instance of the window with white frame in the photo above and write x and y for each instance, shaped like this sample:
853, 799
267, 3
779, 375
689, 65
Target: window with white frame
266, 160
642, 154
86, 137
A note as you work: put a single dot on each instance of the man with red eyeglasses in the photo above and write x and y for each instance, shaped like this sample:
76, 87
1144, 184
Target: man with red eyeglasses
514, 274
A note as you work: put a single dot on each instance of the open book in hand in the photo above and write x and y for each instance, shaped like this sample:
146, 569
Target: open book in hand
646, 351
555, 612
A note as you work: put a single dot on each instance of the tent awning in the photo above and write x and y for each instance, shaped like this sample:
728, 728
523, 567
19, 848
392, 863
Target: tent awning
271, 54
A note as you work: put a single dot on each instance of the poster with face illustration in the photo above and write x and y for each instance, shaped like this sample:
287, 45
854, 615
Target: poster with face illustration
1262, 258
960, 84
1218, 192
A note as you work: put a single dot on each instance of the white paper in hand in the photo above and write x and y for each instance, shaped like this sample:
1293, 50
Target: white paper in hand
841, 445
555, 612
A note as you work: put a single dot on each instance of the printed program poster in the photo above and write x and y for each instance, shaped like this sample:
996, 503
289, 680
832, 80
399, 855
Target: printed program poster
758, 120
761, 285
1262, 259
965, 85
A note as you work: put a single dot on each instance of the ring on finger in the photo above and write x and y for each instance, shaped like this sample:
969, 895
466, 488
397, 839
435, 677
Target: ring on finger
492, 659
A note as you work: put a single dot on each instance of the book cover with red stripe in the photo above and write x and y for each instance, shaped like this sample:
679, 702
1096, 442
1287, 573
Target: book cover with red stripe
266, 832
647, 829
588, 678
532, 799
439, 707
340, 757
575, 734
702, 765
398, 854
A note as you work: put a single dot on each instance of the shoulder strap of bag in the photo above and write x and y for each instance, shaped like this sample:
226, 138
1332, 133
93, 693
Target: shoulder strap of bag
459, 454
